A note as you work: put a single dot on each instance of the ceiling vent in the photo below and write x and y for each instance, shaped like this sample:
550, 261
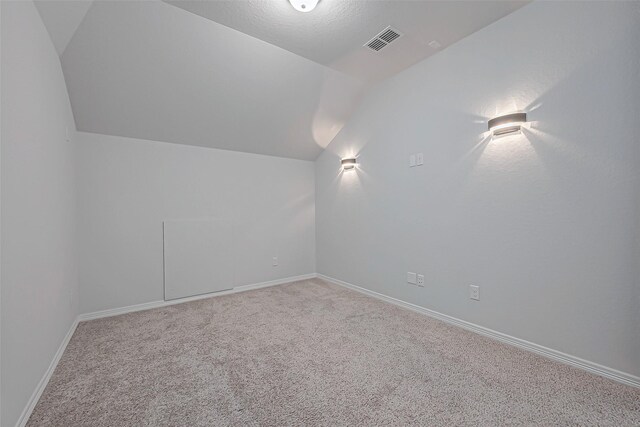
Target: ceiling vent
383, 38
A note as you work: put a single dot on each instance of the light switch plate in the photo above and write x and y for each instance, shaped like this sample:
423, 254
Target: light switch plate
419, 159
411, 278
412, 160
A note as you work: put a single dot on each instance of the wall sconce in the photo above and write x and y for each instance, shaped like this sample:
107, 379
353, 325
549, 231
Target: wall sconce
349, 163
509, 123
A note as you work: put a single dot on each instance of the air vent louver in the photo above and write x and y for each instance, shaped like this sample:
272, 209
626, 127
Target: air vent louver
383, 38
376, 44
389, 35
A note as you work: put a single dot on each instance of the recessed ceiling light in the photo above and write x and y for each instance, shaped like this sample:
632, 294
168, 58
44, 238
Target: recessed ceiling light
303, 5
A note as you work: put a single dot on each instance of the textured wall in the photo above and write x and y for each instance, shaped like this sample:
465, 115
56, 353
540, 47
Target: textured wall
546, 222
39, 274
128, 187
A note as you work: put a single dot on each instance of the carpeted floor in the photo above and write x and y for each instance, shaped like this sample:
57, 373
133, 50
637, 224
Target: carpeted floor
312, 353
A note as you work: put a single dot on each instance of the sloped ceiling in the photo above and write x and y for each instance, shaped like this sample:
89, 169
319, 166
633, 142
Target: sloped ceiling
253, 76
62, 19
153, 71
334, 33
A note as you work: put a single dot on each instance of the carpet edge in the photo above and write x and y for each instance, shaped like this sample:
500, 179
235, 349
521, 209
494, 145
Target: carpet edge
567, 359
42, 384
165, 303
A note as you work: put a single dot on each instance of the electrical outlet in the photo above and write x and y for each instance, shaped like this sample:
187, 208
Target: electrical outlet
411, 278
412, 160
419, 159
420, 279
474, 292
275, 261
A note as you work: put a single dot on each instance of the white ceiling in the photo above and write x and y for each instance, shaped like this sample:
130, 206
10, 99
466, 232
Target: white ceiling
254, 76
334, 33
62, 19
153, 71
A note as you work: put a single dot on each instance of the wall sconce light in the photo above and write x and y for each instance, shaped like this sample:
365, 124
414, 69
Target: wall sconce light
509, 123
349, 163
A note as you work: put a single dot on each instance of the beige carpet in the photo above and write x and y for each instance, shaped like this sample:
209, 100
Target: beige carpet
312, 353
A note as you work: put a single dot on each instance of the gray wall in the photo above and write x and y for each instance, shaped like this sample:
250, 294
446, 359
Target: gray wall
546, 222
38, 263
127, 187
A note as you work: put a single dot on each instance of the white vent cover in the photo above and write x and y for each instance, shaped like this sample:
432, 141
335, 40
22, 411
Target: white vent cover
383, 38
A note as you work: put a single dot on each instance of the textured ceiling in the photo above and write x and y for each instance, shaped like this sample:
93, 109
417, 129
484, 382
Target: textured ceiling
334, 33
254, 76
153, 71
62, 19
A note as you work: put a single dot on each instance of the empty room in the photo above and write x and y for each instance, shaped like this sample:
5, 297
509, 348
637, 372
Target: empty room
319, 213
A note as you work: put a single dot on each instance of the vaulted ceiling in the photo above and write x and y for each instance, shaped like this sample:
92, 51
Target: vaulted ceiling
254, 76
334, 33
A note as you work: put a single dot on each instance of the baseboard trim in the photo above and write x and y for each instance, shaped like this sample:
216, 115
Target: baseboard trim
26, 413
33, 400
613, 374
157, 304
595, 368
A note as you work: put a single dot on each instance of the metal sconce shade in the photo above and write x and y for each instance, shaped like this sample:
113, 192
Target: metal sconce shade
508, 123
348, 163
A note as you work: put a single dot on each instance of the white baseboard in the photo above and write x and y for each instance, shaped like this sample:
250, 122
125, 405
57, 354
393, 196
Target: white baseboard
26, 413
586, 365
156, 304
568, 359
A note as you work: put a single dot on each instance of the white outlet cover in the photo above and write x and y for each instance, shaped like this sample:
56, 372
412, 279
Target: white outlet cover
412, 160
275, 261
419, 159
474, 292
411, 278
420, 279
